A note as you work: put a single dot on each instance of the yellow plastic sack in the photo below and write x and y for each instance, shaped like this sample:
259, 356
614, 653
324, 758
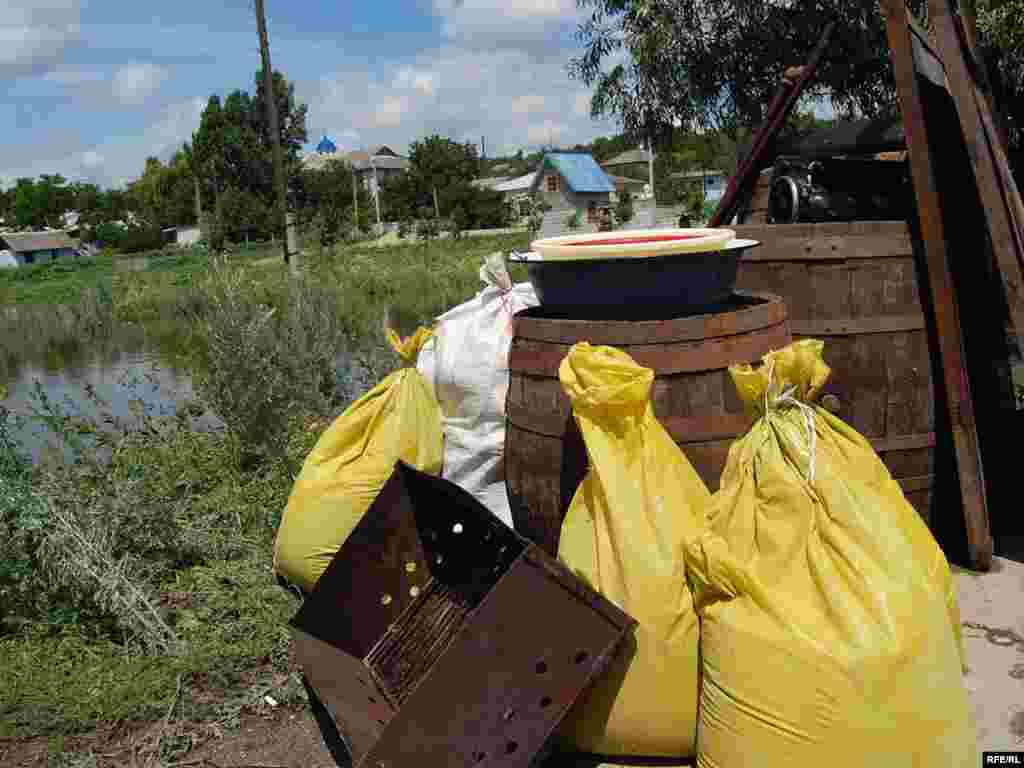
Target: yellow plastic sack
397, 419
640, 501
829, 625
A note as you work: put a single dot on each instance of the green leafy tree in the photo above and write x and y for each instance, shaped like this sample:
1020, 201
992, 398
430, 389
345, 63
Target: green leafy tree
716, 63
41, 203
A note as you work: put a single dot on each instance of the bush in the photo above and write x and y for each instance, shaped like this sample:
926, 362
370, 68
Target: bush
109, 235
573, 221
624, 208
693, 209
265, 356
456, 224
139, 239
405, 228
428, 229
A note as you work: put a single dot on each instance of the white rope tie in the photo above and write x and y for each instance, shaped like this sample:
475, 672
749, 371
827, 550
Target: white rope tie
787, 397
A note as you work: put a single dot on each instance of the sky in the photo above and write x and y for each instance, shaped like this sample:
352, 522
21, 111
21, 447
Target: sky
94, 88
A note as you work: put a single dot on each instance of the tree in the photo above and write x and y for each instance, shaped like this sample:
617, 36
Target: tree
717, 63
439, 162
232, 147
324, 199
41, 203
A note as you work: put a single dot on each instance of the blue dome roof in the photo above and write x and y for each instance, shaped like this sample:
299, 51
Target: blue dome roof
326, 146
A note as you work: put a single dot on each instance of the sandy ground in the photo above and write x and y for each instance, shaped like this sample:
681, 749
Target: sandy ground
995, 678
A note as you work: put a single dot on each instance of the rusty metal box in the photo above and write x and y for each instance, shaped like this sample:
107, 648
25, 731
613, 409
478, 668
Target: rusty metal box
439, 637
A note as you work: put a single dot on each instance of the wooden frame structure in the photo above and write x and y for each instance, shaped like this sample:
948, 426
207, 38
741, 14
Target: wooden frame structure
950, 64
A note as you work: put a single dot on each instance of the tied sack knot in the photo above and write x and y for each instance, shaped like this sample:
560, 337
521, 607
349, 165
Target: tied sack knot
779, 396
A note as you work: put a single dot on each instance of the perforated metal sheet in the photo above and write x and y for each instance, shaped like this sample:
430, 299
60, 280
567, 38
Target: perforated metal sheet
478, 663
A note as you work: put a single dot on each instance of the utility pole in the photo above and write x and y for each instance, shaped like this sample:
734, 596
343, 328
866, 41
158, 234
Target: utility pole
376, 196
280, 184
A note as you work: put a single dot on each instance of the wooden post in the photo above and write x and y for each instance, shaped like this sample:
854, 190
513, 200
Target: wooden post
994, 178
437, 209
950, 341
280, 184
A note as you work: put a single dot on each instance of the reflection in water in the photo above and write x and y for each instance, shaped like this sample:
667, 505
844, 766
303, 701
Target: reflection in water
116, 380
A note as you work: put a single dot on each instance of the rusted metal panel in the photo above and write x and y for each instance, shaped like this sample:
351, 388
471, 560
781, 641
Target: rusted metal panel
497, 693
456, 668
943, 299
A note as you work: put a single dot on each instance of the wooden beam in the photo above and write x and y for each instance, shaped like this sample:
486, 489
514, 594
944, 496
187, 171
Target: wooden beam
784, 101
994, 182
947, 321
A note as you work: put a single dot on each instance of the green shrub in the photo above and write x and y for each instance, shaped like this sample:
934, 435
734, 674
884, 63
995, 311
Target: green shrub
573, 221
265, 355
428, 229
624, 211
139, 239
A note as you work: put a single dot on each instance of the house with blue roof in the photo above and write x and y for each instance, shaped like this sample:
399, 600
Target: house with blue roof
573, 181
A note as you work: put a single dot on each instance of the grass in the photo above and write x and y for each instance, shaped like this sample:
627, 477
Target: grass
141, 589
59, 282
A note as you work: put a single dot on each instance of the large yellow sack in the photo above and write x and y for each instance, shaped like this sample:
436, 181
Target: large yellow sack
829, 626
397, 419
640, 501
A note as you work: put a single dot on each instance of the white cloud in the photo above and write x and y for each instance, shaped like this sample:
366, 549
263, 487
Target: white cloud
489, 24
91, 159
527, 105
423, 83
75, 77
35, 33
134, 83
389, 114
511, 97
546, 132
581, 105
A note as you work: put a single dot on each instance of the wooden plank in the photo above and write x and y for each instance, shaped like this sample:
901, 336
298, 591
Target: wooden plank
820, 242
783, 102
950, 342
1007, 240
855, 326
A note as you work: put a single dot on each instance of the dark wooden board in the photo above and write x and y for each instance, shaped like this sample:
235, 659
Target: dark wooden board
958, 402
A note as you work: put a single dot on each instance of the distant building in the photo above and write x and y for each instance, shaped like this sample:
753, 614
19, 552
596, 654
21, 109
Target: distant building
35, 247
633, 164
710, 183
326, 146
573, 181
371, 168
182, 236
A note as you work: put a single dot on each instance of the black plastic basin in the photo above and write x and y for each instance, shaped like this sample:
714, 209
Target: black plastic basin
652, 287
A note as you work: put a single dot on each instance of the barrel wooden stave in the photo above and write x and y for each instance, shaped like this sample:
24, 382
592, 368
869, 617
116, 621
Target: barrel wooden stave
854, 286
692, 396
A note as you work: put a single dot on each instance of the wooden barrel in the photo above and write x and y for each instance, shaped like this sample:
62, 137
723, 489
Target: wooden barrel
755, 209
854, 286
693, 396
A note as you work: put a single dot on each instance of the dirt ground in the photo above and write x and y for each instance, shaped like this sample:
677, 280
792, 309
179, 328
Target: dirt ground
286, 738
990, 606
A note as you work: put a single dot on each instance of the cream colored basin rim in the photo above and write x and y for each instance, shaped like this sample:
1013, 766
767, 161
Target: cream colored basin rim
632, 243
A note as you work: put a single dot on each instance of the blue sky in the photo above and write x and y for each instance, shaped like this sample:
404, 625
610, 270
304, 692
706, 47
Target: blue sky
93, 88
